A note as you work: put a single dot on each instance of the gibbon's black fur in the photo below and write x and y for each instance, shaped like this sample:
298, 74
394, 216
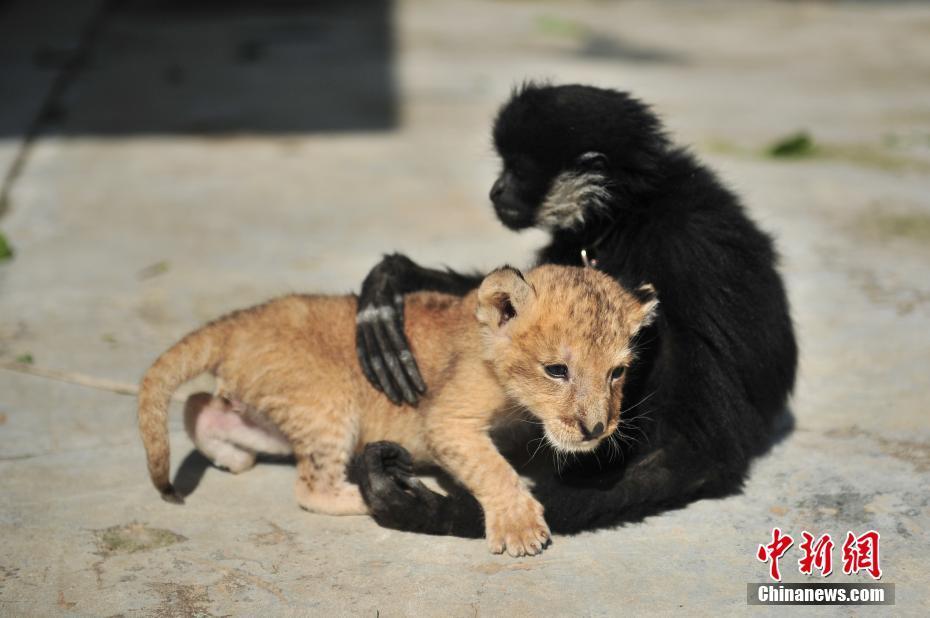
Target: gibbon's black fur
713, 372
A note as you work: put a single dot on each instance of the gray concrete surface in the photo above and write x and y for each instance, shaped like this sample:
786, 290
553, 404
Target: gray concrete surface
127, 238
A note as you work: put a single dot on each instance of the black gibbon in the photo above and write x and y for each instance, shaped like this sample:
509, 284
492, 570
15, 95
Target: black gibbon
713, 372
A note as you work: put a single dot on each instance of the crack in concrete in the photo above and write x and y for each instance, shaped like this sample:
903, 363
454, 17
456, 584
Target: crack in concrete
80, 379
4, 458
915, 453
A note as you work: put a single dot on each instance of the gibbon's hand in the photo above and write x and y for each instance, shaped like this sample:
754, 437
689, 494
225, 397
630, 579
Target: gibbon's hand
382, 348
397, 499
393, 492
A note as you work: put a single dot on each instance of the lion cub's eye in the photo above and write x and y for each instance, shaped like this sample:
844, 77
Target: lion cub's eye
616, 373
559, 372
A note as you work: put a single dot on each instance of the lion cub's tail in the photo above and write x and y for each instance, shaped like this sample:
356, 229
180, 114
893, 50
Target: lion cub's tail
193, 355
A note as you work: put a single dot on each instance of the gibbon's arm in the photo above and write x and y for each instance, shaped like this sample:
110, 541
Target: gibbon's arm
662, 478
380, 343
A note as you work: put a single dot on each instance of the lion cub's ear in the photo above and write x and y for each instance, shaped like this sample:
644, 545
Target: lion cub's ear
648, 304
504, 294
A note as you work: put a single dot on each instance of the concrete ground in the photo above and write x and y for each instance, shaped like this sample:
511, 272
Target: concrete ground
164, 164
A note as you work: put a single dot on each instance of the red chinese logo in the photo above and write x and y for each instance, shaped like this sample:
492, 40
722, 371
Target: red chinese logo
817, 554
860, 553
774, 551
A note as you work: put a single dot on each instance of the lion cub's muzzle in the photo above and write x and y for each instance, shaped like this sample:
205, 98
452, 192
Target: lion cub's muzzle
579, 433
590, 431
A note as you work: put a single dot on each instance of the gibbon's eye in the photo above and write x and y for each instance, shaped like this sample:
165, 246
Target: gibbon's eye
616, 373
559, 372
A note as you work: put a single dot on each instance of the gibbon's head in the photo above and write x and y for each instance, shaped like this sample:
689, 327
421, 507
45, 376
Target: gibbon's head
560, 342
569, 151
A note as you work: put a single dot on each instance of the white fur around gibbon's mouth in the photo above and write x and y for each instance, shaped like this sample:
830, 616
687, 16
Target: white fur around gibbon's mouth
572, 196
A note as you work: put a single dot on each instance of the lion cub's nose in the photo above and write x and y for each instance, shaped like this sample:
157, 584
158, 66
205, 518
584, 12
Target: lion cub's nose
593, 432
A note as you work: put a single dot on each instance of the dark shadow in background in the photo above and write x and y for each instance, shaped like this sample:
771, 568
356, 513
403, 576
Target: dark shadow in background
218, 67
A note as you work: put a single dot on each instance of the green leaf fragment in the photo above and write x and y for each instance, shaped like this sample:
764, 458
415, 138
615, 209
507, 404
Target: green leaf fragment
797, 145
6, 251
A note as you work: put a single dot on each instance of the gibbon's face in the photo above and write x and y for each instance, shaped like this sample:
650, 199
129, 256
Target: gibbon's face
569, 152
528, 194
560, 342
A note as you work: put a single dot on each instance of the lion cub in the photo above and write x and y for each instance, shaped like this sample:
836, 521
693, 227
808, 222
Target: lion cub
554, 343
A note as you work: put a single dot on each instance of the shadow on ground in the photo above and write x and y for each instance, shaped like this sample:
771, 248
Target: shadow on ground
206, 66
195, 466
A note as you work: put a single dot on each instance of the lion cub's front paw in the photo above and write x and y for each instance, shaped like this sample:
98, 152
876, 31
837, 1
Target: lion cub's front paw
518, 528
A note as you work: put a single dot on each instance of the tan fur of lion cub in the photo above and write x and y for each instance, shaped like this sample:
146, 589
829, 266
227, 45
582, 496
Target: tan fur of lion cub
291, 363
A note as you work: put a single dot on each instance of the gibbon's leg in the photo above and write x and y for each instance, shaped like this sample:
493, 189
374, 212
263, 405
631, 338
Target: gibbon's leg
323, 445
666, 476
381, 345
669, 475
513, 518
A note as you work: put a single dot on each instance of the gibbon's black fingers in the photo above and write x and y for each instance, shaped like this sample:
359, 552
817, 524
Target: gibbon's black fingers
373, 355
400, 469
383, 348
375, 291
394, 464
407, 361
361, 352
388, 486
384, 287
389, 343
395, 456
365, 354
378, 454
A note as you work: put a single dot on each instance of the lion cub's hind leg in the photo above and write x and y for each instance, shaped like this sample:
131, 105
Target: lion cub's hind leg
323, 447
345, 499
225, 437
322, 486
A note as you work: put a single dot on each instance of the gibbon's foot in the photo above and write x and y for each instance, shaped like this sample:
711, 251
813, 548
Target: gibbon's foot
389, 486
518, 528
